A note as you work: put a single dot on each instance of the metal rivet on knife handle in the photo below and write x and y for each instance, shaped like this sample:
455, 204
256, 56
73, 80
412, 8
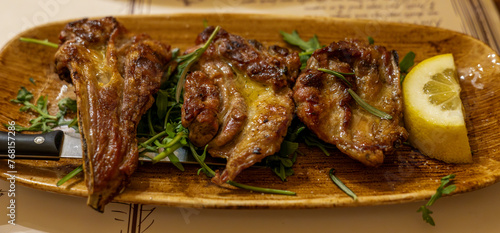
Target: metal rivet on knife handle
39, 140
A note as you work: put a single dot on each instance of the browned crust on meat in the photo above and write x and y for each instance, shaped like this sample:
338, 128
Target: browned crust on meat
328, 110
275, 66
115, 75
254, 106
201, 106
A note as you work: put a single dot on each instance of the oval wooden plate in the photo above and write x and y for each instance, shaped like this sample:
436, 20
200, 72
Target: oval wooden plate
405, 176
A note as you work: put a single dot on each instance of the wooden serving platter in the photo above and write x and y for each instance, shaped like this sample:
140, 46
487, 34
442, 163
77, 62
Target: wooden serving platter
405, 176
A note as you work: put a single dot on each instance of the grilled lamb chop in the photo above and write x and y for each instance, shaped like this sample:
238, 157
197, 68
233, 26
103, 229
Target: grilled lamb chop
327, 109
115, 75
238, 101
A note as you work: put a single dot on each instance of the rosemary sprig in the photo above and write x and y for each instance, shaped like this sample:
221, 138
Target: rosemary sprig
355, 96
338, 75
368, 107
341, 185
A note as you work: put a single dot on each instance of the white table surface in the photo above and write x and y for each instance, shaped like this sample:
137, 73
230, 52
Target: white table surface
38, 211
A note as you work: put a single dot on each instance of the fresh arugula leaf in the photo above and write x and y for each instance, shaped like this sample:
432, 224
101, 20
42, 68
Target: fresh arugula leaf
22, 95
444, 189
70, 175
67, 104
288, 148
163, 103
371, 40
405, 64
426, 215
32, 81
282, 162
294, 132
211, 173
37, 41
294, 39
308, 47
164, 117
187, 60
44, 122
311, 140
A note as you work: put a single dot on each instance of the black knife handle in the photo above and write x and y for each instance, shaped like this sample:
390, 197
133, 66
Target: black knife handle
31, 146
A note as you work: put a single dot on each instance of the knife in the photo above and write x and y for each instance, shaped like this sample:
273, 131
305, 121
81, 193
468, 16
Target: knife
58, 144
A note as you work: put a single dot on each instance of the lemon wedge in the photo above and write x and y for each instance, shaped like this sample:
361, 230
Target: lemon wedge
434, 115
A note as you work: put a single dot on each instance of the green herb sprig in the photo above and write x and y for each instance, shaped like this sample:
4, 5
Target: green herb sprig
308, 47
368, 107
44, 122
311, 140
70, 175
211, 173
341, 185
186, 61
282, 162
405, 64
166, 143
37, 41
338, 75
444, 189
371, 40
356, 97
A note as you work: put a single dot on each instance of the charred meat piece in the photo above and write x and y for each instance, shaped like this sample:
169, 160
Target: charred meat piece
238, 100
327, 109
115, 75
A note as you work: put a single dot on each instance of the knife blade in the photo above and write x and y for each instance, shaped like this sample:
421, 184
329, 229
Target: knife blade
58, 144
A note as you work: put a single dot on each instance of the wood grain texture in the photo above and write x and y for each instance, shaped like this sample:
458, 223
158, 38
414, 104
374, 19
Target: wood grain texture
405, 176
